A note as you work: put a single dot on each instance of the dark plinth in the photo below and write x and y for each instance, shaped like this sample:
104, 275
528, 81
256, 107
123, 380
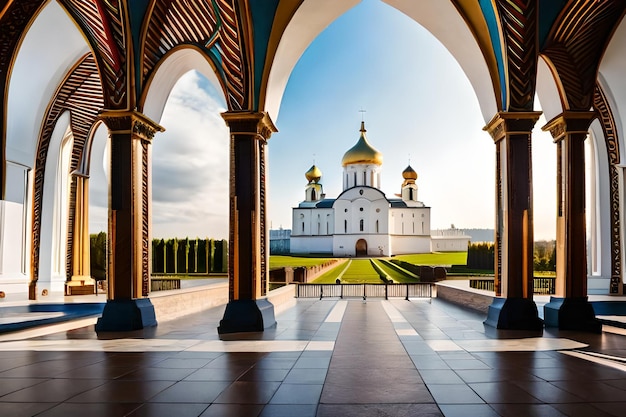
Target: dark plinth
126, 315
513, 314
247, 316
571, 314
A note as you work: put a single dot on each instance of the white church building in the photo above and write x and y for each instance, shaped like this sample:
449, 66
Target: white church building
362, 221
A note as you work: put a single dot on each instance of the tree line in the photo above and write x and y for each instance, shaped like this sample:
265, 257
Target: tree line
480, 255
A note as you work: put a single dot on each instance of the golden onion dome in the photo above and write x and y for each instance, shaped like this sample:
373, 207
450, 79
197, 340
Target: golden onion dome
313, 174
362, 152
409, 173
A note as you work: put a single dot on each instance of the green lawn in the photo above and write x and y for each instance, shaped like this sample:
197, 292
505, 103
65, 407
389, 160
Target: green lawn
281, 261
436, 258
358, 271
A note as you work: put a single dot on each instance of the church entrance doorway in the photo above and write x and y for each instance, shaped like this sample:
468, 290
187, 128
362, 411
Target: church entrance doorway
361, 247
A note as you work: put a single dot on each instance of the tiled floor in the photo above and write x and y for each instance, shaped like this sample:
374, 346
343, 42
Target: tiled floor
324, 358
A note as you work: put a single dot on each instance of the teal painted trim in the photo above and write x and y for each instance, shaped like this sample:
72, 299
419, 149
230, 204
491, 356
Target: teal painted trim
548, 12
137, 11
496, 43
263, 12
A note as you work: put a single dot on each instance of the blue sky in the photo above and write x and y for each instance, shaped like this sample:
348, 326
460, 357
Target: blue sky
418, 104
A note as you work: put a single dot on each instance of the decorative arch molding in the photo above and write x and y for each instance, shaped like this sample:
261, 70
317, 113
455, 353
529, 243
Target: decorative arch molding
166, 74
609, 128
103, 23
212, 27
576, 44
81, 95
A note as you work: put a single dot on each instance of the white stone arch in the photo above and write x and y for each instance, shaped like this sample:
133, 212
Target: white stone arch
50, 47
55, 207
612, 80
440, 18
172, 66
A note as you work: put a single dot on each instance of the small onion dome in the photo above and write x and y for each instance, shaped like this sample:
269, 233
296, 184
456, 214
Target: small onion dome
409, 173
362, 152
313, 174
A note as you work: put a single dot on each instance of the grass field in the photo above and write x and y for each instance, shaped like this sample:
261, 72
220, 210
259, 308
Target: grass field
357, 271
281, 261
436, 258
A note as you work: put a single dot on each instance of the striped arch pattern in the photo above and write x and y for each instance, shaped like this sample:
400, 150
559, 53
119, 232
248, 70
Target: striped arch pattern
81, 95
102, 23
210, 25
519, 25
605, 116
576, 44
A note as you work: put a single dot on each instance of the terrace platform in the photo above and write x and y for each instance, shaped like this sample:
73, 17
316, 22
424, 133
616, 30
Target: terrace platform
327, 357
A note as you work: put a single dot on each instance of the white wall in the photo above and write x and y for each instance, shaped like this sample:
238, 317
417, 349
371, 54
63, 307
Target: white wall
311, 244
449, 243
409, 244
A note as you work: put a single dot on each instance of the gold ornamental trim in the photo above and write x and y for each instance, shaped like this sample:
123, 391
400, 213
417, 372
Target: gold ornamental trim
511, 123
130, 122
569, 122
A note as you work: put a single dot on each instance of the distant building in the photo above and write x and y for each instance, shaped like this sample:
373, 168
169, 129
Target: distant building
362, 221
279, 241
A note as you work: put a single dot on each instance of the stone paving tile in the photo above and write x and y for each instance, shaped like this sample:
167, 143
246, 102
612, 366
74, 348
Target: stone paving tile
384, 358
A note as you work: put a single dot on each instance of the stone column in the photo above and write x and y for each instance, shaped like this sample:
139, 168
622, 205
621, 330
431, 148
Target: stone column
81, 267
128, 271
248, 250
514, 307
570, 309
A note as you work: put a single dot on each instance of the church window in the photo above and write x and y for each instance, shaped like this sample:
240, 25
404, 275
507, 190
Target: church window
403, 228
422, 227
313, 195
355, 179
364, 178
318, 228
376, 226
361, 225
377, 210
413, 228
361, 192
411, 194
302, 227
327, 229
345, 226
361, 209
345, 210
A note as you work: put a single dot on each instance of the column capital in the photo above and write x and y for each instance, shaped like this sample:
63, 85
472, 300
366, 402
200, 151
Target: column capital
130, 122
258, 124
508, 123
569, 122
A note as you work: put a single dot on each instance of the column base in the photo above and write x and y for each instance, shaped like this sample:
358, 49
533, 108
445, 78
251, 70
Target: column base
571, 314
513, 314
247, 316
126, 315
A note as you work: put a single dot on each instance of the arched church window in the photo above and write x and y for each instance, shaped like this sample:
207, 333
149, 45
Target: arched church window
376, 226
302, 227
345, 226
361, 225
313, 195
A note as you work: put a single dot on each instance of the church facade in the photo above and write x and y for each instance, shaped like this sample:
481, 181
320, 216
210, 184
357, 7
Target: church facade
362, 220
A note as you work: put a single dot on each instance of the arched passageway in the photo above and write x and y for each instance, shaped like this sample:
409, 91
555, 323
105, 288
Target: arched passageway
250, 49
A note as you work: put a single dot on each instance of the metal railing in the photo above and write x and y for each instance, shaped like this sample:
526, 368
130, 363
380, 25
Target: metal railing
406, 291
542, 285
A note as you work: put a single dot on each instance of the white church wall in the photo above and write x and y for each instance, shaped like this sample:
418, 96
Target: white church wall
410, 221
311, 244
345, 245
312, 222
409, 244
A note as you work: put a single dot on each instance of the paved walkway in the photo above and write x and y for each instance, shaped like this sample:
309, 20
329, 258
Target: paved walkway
324, 358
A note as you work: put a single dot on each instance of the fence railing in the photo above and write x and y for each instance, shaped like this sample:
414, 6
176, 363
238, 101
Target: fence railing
542, 285
157, 284
406, 291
